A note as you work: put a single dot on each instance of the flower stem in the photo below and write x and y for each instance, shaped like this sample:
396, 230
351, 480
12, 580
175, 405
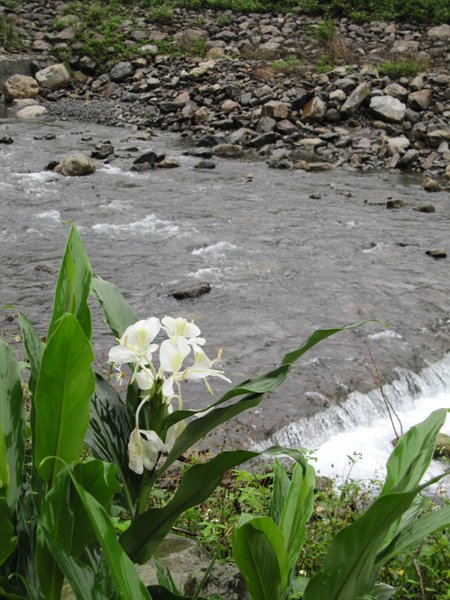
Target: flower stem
144, 493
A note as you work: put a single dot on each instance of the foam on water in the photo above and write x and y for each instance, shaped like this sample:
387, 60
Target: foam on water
217, 249
360, 428
50, 215
149, 224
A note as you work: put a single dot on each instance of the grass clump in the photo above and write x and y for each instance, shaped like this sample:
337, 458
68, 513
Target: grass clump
10, 37
290, 64
401, 68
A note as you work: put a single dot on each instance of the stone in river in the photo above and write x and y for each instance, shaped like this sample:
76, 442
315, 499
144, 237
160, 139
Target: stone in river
395, 203
437, 253
205, 164
20, 86
6, 139
76, 165
431, 185
191, 291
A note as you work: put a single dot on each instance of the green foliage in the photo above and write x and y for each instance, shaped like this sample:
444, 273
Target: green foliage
10, 38
286, 65
401, 68
326, 30
161, 14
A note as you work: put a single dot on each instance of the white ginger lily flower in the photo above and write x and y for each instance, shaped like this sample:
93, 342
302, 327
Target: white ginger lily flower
172, 353
180, 327
145, 378
135, 345
143, 452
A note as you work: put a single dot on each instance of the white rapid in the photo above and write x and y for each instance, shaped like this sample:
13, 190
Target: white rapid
355, 438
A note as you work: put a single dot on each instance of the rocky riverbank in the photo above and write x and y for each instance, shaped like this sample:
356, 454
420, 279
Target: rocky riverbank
296, 91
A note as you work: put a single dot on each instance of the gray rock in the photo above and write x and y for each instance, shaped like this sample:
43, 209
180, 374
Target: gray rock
275, 110
121, 71
420, 100
168, 163
314, 110
431, 185
395, 203
440, 32
190, 291
437, 253
265, 124
20, 86
388, 108
356, 98
205, 164
229, 150
425, 208
76, 165
53, 77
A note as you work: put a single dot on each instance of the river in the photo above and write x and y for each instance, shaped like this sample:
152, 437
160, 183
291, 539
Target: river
285, 252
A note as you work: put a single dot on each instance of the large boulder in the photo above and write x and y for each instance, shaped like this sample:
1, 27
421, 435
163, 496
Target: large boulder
18, 87
76, 165
314, 110
275, 110
388, 108
53, 77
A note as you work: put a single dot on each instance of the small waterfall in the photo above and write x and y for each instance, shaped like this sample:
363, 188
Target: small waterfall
357, 435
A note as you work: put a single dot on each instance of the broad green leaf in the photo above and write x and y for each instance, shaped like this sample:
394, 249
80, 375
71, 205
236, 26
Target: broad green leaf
108, 435
148, 530
118, 314
123, 573
62, 398
8, 541
73, 286
281, 483
259, 551
297, 509
412, 455
12, 425
348, 570
411, 536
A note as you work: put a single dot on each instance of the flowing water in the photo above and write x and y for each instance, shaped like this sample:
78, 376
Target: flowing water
285, 252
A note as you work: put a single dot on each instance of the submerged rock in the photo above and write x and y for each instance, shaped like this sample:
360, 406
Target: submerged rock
191, 291
76, 165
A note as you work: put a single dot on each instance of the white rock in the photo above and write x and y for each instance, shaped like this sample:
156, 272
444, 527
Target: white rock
388, 108
53, 77
398, 144
31, 112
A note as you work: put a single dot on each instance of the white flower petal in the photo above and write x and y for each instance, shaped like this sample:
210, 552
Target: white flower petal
136, 452
141, 334
172, 354
179, 327
167, 388
144, 378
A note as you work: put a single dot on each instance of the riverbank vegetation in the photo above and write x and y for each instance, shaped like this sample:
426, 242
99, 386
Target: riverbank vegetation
87, 484
423, 11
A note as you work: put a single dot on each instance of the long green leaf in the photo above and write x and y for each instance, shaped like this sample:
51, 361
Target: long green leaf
349, 566
8, 541
412, 455
280, 488
117, 313
147, 531
79, 575
123, 573
259, 551
62, 399
73, 286
34, 348
12, 425
66, 527
255, 388
414, 533
297, 510
108, 435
